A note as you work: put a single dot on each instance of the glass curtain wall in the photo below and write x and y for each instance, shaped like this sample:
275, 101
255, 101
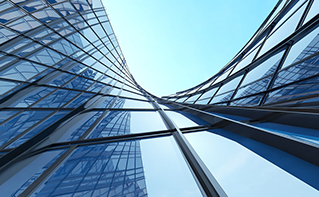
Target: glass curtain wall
74, 122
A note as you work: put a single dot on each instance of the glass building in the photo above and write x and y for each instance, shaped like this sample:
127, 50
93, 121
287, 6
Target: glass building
74, 122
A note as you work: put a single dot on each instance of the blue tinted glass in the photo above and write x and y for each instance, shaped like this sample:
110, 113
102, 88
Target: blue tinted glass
6, 86
297, 72
303, 48
203, 101
264, 69
164, 163
230, 85
6, 114
46, 56
299, 133
80, 100
256, 165
57, 116
249, 101
79, 128
245, 61
30, 96
60, 79
41, 75
125, 122
25, 177
207, 94
222, 97
96, 87
13, 45
115, 123
22, 70
313, 11
56, 99
65, 8
113, 169
25, 24
184, 119
46, 15
79, 83
20, 123
10, 15
192, 99
90, 73
33, 5
77, 68
296, 90
128, 103
282, 32
132, 95
6, 35
252, 88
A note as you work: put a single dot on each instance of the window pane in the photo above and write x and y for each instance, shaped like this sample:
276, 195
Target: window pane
245, 167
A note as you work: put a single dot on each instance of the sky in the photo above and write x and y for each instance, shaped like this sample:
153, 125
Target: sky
173, 45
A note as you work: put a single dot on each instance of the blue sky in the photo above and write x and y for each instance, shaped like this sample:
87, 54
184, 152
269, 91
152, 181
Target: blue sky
172, 45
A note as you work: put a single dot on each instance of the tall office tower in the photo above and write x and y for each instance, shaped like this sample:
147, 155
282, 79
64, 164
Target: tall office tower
74, 122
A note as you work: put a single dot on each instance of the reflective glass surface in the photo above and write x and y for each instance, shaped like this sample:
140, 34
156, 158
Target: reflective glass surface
245, 167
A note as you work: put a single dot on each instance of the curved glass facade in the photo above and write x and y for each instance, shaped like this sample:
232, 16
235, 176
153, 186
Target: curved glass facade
74, 122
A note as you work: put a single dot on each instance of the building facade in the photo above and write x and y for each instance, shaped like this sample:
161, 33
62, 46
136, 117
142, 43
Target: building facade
74, 122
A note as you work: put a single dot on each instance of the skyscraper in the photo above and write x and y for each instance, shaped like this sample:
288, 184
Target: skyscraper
74, 122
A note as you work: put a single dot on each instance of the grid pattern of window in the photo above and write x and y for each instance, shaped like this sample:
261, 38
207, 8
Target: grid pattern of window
280, 55
74, 122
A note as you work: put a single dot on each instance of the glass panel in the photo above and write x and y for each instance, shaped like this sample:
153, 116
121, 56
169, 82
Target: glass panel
79, 83
300, 133
6, 86
25, 24
25, 177
132, 95
128, 103
10, 15
207, 94
192, 98
56, 99
22, 70
247, 60
20, 123
299, 71
222, 97
230, 85
38, 129
29, 98
303, 48
117, 169
255, 87
164, 164
264, 69
296, 90
85, 121
222, 77
33, 5
183, 119
249, 101
80, 100
46, 15
245, 167
126, 122
203, 101
313, 11
4, 115
283, 31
